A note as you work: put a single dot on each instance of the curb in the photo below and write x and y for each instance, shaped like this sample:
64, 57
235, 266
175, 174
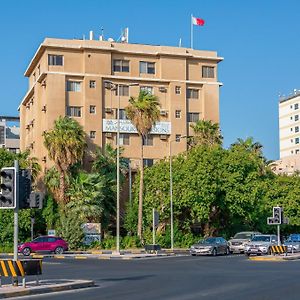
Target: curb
268, 258
46, 290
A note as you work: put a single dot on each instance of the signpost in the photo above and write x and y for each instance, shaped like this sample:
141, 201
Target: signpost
155, 215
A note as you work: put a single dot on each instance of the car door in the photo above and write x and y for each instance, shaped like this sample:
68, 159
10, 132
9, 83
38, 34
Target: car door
220, 245
48, 244
37, 245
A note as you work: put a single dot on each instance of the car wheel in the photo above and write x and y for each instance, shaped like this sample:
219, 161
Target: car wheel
59, 250
193, 254
214, 252
227, 251
247, 254
269, 251
26, 251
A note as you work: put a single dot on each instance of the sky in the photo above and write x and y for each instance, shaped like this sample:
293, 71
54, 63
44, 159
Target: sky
259, 41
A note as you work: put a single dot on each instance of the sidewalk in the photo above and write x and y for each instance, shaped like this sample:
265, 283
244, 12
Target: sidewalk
45, 286
281, 257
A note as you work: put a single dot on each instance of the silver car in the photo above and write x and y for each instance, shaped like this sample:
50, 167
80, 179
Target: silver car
210, 246
238, 242
260, 244
293, 243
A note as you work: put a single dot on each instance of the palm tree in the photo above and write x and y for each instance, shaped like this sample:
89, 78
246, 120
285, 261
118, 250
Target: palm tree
143, 112
206, 133
249, 145
65, 144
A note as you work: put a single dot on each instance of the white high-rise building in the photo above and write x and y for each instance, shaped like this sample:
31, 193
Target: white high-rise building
289, 125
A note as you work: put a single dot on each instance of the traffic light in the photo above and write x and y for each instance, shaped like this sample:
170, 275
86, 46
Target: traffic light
277, 216
24, 188
36, 200
8, 188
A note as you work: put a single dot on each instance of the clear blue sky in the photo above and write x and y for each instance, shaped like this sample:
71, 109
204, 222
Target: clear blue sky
258, 39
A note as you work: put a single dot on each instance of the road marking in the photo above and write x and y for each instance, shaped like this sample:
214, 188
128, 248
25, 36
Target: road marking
59, 256
80, 257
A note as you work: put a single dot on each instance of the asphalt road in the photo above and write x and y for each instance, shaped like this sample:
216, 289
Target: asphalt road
177, 278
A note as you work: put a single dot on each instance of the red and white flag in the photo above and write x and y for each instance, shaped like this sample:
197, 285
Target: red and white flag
197, 21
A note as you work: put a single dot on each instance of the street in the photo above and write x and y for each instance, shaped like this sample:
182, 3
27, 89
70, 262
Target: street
181, 277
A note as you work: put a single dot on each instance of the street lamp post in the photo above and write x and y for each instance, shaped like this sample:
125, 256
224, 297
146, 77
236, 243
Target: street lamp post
171, 191
117, 86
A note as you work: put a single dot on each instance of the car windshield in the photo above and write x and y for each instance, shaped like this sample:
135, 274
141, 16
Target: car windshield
261, 238
243, 236
208, 241
293, 238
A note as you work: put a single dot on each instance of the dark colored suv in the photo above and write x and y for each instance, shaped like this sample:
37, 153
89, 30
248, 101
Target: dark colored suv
44, 244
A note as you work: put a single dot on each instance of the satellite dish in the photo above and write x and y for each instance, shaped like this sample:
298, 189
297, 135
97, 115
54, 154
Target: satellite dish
110, 39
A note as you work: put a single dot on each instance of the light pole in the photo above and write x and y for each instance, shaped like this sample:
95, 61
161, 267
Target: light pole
116, 86
171, 191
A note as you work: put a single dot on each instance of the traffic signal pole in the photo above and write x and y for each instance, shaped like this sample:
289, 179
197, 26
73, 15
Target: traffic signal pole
278, 235
16, 211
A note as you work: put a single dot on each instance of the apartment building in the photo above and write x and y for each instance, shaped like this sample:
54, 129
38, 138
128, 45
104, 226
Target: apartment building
289, 124
75, 78
10, 133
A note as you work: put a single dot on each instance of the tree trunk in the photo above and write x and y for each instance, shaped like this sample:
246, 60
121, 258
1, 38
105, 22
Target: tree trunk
62, 187
140, 213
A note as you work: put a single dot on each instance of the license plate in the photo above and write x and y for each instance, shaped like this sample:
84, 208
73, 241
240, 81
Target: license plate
253, 250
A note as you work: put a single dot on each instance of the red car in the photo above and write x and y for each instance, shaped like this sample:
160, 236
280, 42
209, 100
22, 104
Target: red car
44, 244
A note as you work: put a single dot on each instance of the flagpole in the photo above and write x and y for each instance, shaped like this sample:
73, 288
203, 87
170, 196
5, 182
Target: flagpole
192, 31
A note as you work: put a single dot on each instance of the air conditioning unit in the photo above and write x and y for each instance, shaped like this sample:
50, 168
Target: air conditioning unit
162, 89
28, 106
44, 108
163, 112
27, 126
107, 85
163, 137
44, 159
43, 83
108, 110
108, 135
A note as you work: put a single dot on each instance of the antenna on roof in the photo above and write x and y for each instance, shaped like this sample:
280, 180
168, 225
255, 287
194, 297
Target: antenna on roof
124, 35
180, 42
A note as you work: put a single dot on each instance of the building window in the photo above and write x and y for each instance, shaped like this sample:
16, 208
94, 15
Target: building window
177, 90
296, 140
296, 106
55, 60
124, 139
291, 129
74, 111
148, 140
177, 114
297, 151
208, 72
73, 86
297, 118
148, 89
297, 129
291, 118
124, 90
92, 134
192, 94
92, 84
147, 67
120, 65
177, 138
148, 162
92, 109
122, 114
193, 117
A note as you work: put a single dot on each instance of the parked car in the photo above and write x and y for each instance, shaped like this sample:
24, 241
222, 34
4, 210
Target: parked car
44, 244
293, 243
238, 242
261, 244
210, 246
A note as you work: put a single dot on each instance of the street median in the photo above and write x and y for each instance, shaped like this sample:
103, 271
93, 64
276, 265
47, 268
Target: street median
275, 257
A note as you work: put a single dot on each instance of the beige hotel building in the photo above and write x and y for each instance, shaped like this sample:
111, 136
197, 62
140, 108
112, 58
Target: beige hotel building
70, 77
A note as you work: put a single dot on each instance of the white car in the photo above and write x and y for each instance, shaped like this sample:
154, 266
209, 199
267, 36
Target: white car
238, 242
260, 244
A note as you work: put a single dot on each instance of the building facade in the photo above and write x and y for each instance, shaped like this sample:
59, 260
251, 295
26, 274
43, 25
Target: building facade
75, 78
10, 134
289, 125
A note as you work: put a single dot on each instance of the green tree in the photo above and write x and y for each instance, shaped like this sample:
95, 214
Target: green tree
206, 133
143, 112
65, 144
